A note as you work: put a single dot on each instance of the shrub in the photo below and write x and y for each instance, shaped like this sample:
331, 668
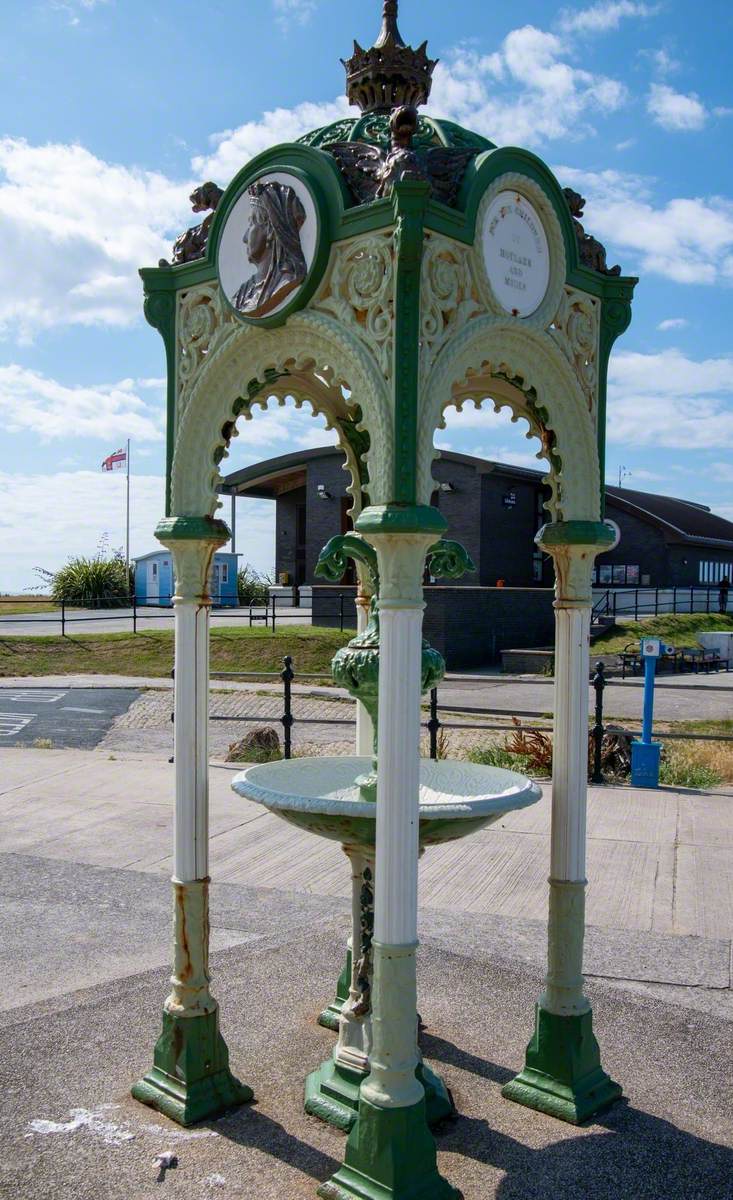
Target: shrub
103, 579
251, 587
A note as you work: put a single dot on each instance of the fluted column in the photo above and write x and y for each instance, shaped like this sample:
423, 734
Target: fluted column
562, 1073
390, 1151
190, 1078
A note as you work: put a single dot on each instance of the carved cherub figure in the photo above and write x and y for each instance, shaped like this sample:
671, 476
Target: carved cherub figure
370, 172
192, 244
592, 252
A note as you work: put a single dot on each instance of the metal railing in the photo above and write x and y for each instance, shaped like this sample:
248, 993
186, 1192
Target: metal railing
434, 723
111, 608
649, 601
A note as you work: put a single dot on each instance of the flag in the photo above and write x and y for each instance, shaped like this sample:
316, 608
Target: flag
118, 458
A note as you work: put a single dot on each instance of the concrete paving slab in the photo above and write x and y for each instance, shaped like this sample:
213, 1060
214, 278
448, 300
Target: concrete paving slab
706, 820
66, 1061
704, 891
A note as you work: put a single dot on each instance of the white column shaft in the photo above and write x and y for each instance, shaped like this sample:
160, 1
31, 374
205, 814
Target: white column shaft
190, 853
570, 757
398, 782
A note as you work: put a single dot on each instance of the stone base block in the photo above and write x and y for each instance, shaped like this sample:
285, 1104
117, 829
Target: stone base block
562, 1074
390, 1155
190, 1078
332, 1094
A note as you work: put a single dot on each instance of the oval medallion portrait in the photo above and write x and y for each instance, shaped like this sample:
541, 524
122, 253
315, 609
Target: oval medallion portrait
516, 253
267, 245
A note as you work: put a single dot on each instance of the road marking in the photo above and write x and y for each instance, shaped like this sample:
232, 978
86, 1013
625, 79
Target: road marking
11, 723
28, 695
72, 708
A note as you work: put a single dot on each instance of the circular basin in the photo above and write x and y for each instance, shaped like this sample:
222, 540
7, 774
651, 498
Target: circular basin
321, 796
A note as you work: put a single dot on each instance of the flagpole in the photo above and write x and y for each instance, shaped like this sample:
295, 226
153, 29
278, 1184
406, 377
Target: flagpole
127, 522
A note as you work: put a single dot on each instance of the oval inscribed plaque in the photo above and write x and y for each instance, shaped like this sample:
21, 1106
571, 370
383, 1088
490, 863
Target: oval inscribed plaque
516, 254
268, 245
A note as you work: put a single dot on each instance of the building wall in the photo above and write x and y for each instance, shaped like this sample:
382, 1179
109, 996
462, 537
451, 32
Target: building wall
507, 532
461, 510
642, 545
286, 529
323, 517
470, 626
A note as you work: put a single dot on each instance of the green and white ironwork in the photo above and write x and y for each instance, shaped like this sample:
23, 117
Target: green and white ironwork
389, 312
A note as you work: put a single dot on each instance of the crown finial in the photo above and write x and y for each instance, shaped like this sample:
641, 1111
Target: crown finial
389, 30
391, 73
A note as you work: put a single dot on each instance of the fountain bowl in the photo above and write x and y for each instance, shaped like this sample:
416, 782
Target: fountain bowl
321, 795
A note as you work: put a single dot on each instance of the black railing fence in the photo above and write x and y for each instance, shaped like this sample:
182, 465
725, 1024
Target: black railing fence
340, 609
653, 601
434, 723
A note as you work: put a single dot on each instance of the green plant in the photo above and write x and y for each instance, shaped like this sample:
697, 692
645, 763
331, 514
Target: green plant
682, 767
252, 588
104, 579
495, 755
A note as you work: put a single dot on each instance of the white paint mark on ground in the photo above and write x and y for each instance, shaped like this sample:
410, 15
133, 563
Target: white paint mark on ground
31, 695
71, 708
215, 1180
94, 1122
12, 723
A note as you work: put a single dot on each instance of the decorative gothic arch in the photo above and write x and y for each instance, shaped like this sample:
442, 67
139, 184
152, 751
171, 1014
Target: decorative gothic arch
311, 359
524, 370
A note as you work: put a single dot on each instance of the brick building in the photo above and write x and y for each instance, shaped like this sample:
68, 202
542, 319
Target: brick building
494, 510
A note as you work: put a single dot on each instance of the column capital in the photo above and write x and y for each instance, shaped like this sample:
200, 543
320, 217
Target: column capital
401, 536
192, 541
574, 545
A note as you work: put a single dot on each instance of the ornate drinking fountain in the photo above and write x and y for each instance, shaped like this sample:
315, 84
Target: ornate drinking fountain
335, 798
381, 269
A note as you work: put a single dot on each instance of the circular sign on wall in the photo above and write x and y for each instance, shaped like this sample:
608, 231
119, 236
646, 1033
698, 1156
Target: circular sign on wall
267, 245
516, 253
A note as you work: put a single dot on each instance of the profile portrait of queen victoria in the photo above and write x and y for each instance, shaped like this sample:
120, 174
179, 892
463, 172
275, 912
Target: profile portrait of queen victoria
273, 246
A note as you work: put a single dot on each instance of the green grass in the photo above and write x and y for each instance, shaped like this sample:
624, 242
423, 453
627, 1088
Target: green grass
12, 606
497, 756
681, 629
150, 653
677, 769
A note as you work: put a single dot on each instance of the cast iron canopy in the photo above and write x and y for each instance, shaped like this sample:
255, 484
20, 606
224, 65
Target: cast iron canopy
391, 73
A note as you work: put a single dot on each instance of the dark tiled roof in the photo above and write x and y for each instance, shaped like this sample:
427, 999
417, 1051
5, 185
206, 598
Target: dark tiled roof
687, 520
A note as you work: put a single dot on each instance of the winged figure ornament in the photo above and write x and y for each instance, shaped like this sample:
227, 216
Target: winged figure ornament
370, 171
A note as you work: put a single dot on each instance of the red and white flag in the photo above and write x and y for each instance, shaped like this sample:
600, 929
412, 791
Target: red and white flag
117, 459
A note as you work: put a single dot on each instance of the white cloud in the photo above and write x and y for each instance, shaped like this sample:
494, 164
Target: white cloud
672, 323
30, 401
670, 400
525, 93
662, 61
234, 147
289, 13
78, 508
688, 239
75, 229
675, 111
626, 145
604, 16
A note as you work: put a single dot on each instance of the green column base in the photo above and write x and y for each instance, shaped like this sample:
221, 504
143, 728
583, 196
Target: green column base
390, 1155
329, 1018
332, 1094
562, 1073
190, 1078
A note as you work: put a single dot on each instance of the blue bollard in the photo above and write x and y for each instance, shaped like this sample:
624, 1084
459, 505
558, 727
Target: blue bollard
646, 754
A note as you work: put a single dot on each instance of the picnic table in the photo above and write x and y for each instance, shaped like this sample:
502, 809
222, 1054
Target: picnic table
676, 658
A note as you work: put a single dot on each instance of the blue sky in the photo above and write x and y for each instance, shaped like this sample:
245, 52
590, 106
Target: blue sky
113, 109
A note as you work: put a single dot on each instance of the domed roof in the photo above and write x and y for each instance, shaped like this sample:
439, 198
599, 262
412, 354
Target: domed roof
373, 128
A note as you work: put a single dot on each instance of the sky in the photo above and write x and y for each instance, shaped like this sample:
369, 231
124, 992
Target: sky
112, 110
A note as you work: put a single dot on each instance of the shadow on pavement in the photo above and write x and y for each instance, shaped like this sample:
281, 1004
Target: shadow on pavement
249, 1127
647, 1159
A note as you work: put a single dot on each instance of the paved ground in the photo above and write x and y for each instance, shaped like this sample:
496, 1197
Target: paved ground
85, 910
77, 718
120, 620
